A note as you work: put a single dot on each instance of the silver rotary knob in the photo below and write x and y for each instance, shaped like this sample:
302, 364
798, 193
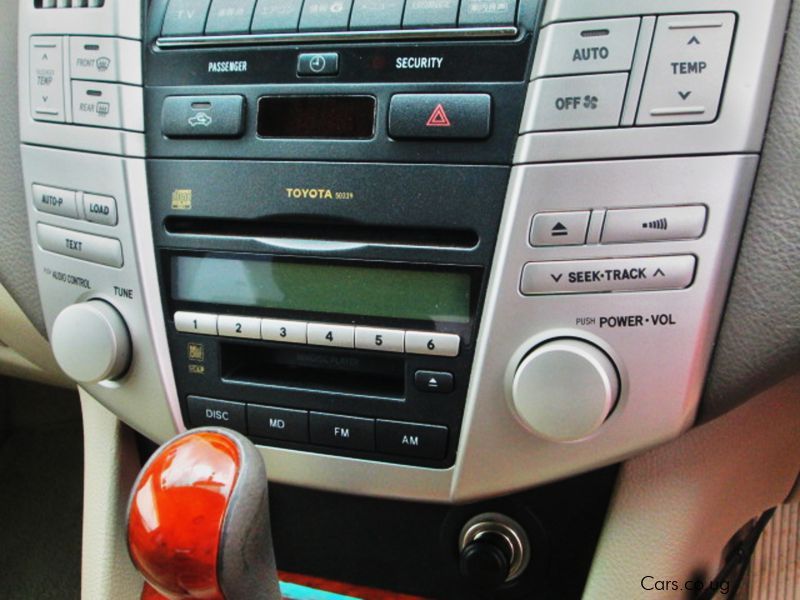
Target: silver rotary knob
91, 342
565, 389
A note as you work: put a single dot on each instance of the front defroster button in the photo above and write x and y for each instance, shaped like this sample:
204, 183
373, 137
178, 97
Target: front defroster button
444, 116
205, 412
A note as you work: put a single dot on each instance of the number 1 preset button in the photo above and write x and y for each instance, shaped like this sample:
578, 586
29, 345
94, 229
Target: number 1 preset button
432, 344
279, 330
384, 340
190, 322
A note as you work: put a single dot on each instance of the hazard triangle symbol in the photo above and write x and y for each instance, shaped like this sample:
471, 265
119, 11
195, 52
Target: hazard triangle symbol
438, 117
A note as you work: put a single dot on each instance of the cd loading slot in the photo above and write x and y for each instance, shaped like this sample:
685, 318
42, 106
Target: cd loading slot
335, 371
383, 235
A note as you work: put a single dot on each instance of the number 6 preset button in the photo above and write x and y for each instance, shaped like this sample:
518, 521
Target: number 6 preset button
432, 344
336, 336
278, 330
384, 340
240, 327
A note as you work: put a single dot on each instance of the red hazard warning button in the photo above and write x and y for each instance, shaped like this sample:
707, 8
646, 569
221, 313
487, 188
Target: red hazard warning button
449, 116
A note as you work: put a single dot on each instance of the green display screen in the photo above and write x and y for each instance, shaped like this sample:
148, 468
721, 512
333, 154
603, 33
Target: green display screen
325, 288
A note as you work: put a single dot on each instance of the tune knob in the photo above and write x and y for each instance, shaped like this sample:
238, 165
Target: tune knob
91, 342
565, 389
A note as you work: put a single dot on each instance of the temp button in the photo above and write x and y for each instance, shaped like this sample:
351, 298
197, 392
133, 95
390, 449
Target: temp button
440, 116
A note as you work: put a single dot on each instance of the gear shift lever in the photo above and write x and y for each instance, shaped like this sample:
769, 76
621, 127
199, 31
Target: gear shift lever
198, 520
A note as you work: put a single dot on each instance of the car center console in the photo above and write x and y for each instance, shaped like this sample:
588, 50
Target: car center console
422, 250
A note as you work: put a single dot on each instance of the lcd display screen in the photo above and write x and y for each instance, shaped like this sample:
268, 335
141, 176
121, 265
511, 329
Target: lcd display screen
333, 117
352, 289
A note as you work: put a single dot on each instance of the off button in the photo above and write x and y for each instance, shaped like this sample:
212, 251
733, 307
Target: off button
441, 116
582, 102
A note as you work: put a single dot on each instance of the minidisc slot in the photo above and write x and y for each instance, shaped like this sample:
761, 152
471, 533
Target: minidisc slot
336, 371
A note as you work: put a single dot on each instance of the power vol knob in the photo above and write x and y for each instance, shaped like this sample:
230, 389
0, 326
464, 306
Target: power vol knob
91, 342
565, 389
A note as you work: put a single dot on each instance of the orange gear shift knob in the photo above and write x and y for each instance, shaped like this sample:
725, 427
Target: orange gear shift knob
198, 520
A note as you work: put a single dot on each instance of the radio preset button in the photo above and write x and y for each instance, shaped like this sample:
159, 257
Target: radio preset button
100, 209
430, 13
487, 12
279, 330
313, 65
230, 16
582, 102
203, 116
560, 229
432, 344
385, 340
272, 16
435, 382
446, 116
338, 336
239, 327
185, 17
586, 47
55, 201
608, 275
411, 439
220, 413
377, 14
654, 224
277, 423
47, 78
191, 322
353, 433
325, 15
94, 248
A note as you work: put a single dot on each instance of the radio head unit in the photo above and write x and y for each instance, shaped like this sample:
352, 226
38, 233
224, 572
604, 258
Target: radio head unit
324, 265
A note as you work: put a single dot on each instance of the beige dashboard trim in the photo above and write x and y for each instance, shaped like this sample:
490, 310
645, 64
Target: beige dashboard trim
676, 507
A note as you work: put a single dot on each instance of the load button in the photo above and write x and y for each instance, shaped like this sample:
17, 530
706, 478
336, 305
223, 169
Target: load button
442, 116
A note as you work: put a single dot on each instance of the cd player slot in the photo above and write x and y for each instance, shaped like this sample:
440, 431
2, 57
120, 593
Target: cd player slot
354, 233
352, 373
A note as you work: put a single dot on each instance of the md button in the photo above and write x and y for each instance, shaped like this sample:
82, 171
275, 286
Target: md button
277, 423
219, 413
440, 116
